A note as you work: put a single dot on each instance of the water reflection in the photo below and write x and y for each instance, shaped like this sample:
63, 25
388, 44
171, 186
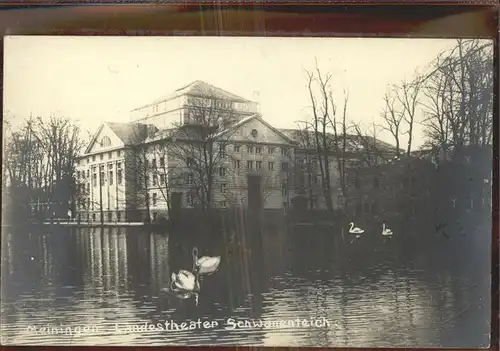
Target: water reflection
113, 278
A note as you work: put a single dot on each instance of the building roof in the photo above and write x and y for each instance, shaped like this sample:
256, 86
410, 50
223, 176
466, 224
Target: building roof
259, 117
198, 88
355, 142
129, 133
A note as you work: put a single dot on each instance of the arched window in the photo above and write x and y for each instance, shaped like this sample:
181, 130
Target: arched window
105, 141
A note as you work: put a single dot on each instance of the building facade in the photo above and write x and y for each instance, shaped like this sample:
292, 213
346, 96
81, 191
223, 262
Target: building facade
139, 170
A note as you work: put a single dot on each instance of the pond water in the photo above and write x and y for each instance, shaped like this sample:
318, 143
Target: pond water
104, 287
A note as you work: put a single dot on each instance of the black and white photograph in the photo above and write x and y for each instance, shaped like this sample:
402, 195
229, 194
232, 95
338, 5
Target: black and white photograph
247, 191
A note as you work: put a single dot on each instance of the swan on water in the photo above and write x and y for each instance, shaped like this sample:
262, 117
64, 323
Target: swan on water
205, 265
386, 231
185, 285
355, 230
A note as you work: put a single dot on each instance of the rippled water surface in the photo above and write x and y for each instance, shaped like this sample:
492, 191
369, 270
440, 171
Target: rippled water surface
104, 287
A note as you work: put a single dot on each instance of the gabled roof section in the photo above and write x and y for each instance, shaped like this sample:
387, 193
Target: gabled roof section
198, 88
129, 133
354, 142
258, 117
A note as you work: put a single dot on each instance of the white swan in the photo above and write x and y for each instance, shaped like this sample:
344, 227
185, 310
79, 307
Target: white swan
185, 285
386, 231
355, 230
205, 265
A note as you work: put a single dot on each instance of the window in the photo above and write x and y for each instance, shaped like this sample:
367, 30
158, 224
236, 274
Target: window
236, 163
284, 166
155, 199
110, 154
250, 164
283, 151
162, 178
119, 152
118, 216
119, 165
190, 179
110, 177
162, 161
258, 150
154, 163
236, 148
110, 216
258, 164
222, 151
102, 179
88, 187
270, 150
105, 141
270, 165
101, 167
88, 173
93, 158
223, 188
250, 149
101, 157
119, 176
93, 216
155, 179
94, 179
88, 160
222, 171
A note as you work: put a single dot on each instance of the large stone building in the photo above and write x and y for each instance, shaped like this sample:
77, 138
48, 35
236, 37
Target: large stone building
140, 169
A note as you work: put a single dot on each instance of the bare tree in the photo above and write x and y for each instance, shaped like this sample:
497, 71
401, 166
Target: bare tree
166, 178
408, 94
393, 119
142, 167
341, 145
40, 162
369, 151
459, 97
305, 174
323, 110
199, 144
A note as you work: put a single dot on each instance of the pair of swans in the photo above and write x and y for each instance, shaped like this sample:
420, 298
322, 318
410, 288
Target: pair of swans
185, 284
358, 231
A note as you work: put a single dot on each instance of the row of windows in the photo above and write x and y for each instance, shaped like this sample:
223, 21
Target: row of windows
86, 173
154, 164
110, 155
111, 178
258, 165
258, 149
155, 180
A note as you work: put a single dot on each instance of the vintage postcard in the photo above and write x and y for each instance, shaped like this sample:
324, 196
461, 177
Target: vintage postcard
331, 192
